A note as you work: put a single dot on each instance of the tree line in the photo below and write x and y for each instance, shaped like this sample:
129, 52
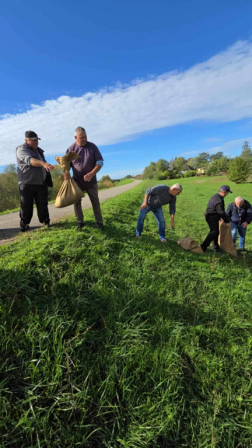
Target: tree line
238, 168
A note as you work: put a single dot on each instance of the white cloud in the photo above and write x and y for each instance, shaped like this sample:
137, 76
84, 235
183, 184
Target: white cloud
217, 90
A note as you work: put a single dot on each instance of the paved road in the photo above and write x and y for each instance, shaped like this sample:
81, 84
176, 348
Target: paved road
9, 223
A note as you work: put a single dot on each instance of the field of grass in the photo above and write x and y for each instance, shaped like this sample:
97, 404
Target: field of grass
111, 341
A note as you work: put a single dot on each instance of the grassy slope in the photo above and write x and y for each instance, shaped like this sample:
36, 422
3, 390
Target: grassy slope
109, 341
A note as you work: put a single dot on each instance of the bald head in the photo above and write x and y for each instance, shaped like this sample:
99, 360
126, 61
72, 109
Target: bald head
239, 201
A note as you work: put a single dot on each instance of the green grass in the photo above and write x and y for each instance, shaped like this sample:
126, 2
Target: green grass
110, 341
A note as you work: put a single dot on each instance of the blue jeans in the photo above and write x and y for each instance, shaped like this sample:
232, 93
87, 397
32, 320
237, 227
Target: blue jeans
241, 231
159, 215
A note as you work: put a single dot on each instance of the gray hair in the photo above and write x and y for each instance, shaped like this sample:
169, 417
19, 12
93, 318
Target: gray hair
79, 130
239, 199
177, 187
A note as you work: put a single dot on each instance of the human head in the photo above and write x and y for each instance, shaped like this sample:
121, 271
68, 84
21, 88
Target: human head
239, 201
175, 190
32, 139
224, 190
80, 136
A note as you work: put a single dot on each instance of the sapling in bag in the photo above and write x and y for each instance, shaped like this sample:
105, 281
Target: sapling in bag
69, 192
225, 239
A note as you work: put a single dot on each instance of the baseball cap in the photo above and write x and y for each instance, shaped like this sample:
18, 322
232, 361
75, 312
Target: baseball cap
226, 188
31, 135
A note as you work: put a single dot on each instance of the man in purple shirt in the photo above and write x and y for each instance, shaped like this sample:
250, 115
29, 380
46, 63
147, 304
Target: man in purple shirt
84, 174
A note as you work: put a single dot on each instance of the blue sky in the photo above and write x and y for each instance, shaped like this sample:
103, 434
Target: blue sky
146, 79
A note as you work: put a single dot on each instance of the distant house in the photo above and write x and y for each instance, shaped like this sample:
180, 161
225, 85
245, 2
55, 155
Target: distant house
200, 171
138, 176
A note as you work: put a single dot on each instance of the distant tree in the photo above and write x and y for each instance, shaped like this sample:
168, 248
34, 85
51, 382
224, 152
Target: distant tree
246, 151
179, 164
223, 163
128, 176
106, 177
213, 168
202, 160
192, 162
10, 169
216, 156
238, 170
162, 165
149, 171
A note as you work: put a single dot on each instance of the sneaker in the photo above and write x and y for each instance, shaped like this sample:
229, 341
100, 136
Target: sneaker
101, 226
80, 225
242, 249
46, 224
216, 249
24, 228
163, 240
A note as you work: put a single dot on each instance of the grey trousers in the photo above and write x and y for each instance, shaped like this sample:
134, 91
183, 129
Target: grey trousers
93, 196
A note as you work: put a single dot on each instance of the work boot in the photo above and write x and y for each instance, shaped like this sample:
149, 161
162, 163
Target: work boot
24, 227
80, 225
46, 224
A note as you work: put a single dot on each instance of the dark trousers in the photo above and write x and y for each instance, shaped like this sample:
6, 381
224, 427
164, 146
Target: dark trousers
28, 194
213, 222
94, 198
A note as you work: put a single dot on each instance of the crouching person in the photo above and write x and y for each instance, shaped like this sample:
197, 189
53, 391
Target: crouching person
240, 214
155, 198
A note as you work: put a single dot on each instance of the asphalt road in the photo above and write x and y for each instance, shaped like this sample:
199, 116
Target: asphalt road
9, 223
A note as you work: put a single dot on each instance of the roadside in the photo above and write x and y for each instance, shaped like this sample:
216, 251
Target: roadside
9, 224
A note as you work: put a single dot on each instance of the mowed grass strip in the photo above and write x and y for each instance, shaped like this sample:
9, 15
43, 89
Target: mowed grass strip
111, 341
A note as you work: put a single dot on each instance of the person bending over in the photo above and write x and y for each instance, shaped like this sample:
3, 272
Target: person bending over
155, 198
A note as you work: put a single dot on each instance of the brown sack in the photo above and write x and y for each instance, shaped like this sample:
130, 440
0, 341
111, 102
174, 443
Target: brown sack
69, 193
225, 239
66, 159
190, 244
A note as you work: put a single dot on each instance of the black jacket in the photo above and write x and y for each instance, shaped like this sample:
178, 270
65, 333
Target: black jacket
216, 208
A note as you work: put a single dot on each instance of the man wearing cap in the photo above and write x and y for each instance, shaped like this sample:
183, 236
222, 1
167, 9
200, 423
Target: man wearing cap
84, 174
240, 214
34, 178
214, 213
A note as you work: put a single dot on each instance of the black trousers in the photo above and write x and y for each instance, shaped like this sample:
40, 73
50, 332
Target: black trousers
213, 222
28, 194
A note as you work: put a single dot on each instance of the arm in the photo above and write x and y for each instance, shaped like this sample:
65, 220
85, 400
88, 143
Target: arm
24, 155
221, 213
145, 203
98, 166
229, 211
38, 163
248, 217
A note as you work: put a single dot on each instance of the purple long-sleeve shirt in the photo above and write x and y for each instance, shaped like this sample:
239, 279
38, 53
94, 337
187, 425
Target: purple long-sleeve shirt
89, 156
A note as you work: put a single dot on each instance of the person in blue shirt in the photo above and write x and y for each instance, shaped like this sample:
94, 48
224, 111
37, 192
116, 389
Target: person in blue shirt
240, 214
154, 198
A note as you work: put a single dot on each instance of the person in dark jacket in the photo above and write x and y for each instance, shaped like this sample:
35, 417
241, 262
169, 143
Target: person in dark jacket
240, 214
214, 213
34, 178
155, 198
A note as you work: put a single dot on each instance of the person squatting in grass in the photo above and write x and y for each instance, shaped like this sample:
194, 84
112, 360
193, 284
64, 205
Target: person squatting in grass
84, 174
215, 212
240, 214
34, 178
155, 198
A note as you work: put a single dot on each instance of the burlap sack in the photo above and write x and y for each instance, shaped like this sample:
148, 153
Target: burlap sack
68, 194
190, 244
225, 239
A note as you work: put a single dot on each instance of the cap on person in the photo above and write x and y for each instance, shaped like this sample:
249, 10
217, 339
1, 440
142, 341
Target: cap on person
31, 135
226, 188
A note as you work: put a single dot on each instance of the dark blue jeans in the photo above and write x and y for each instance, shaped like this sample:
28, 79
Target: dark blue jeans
159, 215
241, 231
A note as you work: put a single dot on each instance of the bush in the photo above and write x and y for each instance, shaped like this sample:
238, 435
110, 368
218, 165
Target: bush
238, 170
190, 173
